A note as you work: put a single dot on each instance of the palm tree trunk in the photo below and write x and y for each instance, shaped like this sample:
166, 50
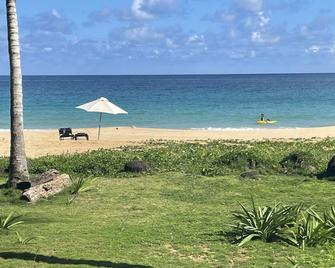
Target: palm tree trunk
18, 170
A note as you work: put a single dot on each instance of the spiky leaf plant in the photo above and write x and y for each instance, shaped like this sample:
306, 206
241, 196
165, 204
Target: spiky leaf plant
8, 222
264, 223
25, 241
79, 186
329, 217
311, 230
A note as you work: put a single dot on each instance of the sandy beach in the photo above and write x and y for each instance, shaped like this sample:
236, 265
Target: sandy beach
46, 142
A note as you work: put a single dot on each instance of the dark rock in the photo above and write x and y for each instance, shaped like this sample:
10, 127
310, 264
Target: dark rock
252, 174
330, 172
137, 166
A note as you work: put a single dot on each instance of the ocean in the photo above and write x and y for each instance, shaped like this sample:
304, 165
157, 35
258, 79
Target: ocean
216, 102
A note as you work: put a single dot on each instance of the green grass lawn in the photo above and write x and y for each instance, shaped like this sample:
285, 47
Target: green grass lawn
170, 220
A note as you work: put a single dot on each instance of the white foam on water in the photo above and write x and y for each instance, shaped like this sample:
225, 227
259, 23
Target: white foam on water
31, 130
240, 129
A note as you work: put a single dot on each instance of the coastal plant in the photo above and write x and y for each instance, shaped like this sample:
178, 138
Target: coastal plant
237, 158
299, 162
9, 221
329, 217
267, 223
25, 241
295, 225
207, 158
311, 231
79, 186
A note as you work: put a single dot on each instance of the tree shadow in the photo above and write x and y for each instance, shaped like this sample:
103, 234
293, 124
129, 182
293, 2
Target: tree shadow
27, 256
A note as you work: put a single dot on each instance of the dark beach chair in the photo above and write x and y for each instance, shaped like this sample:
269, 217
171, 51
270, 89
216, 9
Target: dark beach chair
65, 133
81, 134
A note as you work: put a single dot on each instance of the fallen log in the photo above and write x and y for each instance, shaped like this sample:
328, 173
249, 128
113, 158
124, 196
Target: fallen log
47, 184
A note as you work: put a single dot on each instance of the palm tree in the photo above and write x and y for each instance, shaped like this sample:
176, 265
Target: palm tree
18, 170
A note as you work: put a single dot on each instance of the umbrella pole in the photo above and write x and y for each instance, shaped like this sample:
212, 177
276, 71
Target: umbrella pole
99, 126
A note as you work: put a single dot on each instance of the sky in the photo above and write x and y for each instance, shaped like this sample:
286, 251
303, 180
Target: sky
112, 37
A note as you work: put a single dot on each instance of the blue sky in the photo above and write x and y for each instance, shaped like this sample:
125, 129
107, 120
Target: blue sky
173, 36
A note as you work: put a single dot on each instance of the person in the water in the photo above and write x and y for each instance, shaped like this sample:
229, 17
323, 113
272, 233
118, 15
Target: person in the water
262, 117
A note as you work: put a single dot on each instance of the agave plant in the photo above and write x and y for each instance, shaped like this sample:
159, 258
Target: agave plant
310, 231
6, 223
264, 223
25, 241
79, 186
329, 217
82, 185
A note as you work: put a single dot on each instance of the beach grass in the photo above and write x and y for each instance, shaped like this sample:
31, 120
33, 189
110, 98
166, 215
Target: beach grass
210, 158
162, 220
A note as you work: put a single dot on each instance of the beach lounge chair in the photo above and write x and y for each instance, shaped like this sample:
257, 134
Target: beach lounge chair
81, 134
65, 133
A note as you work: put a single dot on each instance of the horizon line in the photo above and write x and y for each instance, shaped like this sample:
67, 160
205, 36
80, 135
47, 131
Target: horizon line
172, 74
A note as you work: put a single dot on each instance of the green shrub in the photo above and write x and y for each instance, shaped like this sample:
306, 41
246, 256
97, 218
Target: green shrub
79, 186
210, 159
291, 224
329, 217
245, 159
311, 231
299, 162
265, 223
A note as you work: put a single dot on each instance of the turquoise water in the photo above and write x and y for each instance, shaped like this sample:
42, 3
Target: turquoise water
181, 101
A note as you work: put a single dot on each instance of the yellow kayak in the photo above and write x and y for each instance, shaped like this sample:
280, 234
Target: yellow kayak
263, 122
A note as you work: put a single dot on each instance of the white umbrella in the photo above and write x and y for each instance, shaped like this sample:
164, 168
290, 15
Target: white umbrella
102, 105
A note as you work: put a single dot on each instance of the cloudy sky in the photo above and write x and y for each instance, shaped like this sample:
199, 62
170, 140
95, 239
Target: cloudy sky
173, 36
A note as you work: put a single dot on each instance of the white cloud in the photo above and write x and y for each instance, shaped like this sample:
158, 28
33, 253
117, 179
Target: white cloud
151, 9
250, 5
142, 33
197, 39
313, 49
226, 16
138, 12
263, 20
56, 14
47, 49
332, 49
170, 43
259, 37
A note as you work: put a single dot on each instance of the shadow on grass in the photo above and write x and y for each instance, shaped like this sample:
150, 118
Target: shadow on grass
325, 176
27, 256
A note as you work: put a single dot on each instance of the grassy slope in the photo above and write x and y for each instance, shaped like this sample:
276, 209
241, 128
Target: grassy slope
169, 220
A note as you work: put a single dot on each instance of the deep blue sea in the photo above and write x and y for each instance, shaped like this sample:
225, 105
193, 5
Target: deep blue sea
178, 101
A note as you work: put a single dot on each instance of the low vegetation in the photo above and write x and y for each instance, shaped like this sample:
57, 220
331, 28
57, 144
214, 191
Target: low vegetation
178, 208
210, 159
294, 224
269, 224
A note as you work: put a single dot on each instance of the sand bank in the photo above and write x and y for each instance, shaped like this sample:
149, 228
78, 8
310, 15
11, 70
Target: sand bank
44, 142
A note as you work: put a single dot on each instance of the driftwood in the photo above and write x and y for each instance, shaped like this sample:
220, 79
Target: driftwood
47, 184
